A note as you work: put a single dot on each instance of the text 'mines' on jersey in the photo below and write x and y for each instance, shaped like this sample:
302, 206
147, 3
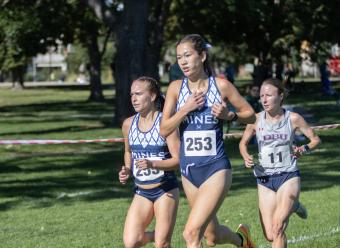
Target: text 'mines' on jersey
148, 145
201, 133
275, 144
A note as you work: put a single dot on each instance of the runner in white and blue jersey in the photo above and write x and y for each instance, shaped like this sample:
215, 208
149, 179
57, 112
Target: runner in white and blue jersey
201, 133
151, 160
197, 106
278, 177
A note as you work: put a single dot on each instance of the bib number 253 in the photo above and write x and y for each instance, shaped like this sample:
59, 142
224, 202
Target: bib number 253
200, 143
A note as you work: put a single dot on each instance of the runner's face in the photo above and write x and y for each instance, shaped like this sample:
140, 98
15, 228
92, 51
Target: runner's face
270, 97
255, 91
141, 98
190, 62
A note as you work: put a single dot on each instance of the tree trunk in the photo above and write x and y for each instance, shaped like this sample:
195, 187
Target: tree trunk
156, 32
134, 57
96, 91
18, 78
130, 59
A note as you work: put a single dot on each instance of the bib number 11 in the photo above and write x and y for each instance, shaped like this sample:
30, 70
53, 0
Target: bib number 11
272, 157
277, 157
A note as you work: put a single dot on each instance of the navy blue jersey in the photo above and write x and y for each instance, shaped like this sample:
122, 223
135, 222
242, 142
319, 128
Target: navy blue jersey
148, 145
201, 134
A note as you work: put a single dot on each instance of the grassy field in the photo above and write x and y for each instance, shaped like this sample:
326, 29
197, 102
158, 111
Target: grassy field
69, 195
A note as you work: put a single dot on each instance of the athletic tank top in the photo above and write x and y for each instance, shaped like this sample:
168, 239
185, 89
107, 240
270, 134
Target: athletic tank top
275, 143
201, 134
149, 145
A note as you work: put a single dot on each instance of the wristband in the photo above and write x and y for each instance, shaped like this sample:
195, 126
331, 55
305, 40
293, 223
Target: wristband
306, 149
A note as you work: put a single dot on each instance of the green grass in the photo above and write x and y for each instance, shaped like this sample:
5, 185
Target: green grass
69, 195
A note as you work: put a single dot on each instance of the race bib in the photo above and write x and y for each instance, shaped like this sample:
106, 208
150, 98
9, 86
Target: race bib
275, 157
149, 173
200, 143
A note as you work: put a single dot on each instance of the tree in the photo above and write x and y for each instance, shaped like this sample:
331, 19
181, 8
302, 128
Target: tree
88, 31
15, 51
139, 38
271, 30
28, 29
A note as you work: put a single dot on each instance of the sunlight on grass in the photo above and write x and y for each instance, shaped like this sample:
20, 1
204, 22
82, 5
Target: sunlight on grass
69, 195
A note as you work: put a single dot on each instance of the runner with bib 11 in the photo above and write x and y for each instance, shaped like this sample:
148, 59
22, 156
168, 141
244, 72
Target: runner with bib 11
277, 174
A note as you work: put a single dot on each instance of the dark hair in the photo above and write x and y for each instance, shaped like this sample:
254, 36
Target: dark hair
154, 88
277, 83
253, 86
200, 45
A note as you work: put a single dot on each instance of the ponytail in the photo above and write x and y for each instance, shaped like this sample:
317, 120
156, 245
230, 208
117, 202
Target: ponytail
200, 45
156, 89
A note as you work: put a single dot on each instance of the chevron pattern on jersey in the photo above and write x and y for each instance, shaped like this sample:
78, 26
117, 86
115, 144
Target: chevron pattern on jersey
213, 95
183, 94
152, 137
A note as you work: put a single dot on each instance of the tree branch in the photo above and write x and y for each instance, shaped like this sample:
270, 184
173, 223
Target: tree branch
108, 34
102, 12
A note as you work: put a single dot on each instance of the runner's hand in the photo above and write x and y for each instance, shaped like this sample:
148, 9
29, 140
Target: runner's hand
124, 175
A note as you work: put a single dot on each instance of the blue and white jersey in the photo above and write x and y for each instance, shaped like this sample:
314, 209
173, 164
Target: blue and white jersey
201, 134
275, 142
148, 145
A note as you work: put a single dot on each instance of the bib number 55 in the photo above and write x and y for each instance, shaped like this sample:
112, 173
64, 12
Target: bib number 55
147, 174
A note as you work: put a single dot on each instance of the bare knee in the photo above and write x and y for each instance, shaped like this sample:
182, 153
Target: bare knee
268, 232
278, 228
268, 236
191, 235
133, 241
162, 243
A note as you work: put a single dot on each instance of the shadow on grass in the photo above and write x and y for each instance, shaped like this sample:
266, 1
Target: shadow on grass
62, 178
43, 179
72, 129
59, 106
65, 86
65, 112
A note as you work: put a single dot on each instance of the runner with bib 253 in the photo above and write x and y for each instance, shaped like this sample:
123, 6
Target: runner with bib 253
197, 105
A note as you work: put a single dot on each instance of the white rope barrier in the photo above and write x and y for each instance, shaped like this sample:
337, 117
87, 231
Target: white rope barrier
55, 142
120, 140
323, 127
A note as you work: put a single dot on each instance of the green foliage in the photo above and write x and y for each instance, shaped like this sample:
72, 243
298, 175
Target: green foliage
76, 57
266, 29
28, 29
15, 36
241, 28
